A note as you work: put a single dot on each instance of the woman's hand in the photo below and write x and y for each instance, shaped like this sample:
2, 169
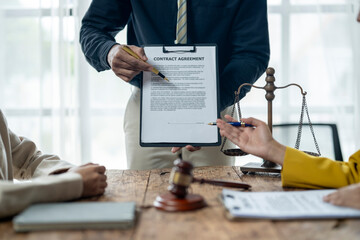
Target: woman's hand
257, 141
348, 196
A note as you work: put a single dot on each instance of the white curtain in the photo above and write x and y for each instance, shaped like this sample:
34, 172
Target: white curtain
356, 45
340, 55
38, 77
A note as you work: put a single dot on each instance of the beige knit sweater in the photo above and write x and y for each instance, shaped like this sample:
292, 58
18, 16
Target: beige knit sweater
19, 159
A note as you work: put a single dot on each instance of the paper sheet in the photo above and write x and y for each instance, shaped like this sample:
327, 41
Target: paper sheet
179, 111
284, 205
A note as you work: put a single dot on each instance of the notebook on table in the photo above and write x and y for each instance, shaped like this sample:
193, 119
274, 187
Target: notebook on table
76, 215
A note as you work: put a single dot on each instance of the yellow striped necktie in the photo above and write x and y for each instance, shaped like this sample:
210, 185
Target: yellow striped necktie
181, 25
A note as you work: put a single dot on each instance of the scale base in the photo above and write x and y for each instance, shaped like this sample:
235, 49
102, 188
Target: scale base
254, 167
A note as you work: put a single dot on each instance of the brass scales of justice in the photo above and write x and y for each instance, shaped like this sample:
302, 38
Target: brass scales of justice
270, 88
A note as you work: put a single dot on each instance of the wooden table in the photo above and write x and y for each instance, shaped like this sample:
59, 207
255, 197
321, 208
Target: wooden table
207, 223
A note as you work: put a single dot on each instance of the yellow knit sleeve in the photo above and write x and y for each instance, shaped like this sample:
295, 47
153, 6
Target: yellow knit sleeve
305, 171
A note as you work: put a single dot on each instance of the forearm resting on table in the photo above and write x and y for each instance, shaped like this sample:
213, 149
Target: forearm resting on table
16, 197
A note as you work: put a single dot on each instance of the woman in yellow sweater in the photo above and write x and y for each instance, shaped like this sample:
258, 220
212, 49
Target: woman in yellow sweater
299, 169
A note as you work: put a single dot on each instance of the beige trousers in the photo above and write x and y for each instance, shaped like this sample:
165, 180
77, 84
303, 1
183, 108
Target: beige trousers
141, 158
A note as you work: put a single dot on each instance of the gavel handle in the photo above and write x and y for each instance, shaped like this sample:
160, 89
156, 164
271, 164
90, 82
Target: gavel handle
222, 183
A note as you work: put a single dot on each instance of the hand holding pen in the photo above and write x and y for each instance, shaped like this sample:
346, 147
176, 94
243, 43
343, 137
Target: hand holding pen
125, 65
256, 140
235, 124
132, 53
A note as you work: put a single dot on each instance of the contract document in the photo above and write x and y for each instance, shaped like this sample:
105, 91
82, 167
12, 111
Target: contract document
283, 205
177, 112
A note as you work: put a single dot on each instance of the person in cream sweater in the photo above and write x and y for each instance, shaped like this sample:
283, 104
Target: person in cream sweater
52, 179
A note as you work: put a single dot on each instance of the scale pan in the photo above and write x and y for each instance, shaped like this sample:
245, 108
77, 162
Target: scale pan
234, 152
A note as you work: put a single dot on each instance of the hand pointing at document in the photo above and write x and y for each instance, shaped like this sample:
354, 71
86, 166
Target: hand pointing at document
126, 66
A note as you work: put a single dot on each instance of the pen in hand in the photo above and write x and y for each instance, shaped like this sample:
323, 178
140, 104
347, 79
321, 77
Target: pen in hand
132, 53
235, 124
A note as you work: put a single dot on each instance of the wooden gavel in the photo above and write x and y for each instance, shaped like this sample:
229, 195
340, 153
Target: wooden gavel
181, 177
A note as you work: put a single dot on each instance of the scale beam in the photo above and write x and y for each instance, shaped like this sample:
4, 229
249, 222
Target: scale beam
266, 166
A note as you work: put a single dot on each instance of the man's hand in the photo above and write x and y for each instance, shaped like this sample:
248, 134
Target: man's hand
188, 147
347, 196
126, 66
93, 177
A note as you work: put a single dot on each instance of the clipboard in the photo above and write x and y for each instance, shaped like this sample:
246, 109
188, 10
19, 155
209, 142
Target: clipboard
177, 113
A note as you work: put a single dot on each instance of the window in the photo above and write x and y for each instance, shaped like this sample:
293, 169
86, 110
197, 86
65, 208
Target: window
313, 43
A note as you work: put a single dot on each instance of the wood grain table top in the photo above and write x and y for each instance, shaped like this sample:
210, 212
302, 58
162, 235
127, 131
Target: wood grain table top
207, 223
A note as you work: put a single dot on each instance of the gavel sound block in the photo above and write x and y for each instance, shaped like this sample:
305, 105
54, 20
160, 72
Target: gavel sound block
178, 199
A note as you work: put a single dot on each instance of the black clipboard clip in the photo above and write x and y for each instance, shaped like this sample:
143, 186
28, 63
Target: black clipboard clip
179, 49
